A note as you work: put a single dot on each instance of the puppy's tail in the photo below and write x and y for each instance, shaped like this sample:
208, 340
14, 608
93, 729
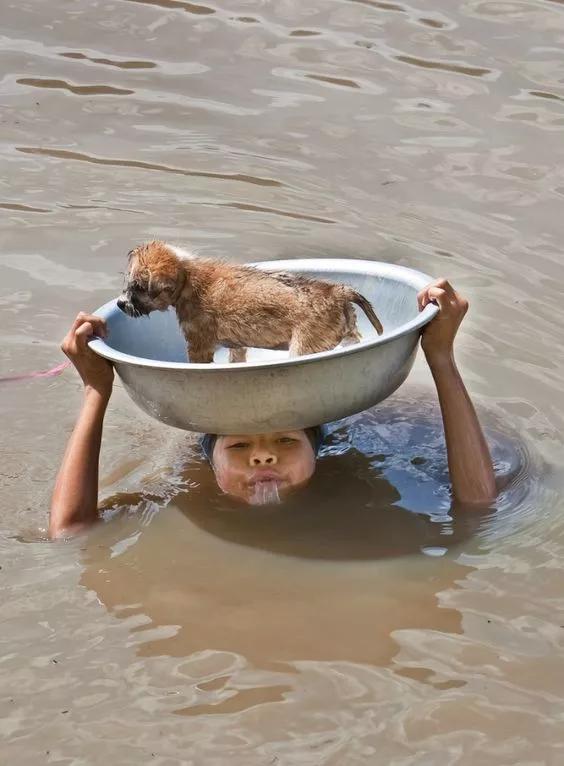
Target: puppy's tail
366, 306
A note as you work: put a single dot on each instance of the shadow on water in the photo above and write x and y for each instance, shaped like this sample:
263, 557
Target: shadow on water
381, 490
350, 511
330, 573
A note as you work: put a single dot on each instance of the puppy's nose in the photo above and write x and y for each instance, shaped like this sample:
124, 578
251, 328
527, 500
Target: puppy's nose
121, 303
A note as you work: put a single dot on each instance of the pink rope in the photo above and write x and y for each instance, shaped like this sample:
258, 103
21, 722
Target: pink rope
54, 371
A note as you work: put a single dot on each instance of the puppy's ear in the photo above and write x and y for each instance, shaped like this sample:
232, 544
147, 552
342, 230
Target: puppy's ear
130, 254
159, 284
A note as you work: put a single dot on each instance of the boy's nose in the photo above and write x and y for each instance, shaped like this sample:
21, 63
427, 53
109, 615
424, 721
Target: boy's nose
262, 456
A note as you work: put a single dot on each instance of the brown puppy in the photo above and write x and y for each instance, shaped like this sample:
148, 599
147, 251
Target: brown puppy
221, 304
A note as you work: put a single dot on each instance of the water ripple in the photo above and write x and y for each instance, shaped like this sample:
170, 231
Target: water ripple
23, 208
78, 90
381, 6
273, 211
445, 66
109, 62
544, 94
339, 81
180, 5
63, 154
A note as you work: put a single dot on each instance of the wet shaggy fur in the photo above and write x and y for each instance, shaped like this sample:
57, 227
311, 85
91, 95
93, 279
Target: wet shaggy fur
222, 304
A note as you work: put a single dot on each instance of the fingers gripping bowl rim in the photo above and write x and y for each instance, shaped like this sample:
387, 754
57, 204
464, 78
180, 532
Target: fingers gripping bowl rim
271, 391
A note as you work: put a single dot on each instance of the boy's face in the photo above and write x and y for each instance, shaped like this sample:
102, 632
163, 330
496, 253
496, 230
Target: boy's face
259, 468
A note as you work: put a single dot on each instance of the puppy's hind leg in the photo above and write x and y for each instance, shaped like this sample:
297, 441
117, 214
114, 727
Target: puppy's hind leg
350, 340
237, 355
303, 342
351, 334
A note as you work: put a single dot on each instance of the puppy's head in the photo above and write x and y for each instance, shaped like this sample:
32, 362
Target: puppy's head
154, 281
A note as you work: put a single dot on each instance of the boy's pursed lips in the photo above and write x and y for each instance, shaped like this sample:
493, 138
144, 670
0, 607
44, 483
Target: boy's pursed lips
264, 475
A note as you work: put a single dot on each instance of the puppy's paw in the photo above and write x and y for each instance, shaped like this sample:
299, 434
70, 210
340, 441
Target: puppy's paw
200, 357
237, 355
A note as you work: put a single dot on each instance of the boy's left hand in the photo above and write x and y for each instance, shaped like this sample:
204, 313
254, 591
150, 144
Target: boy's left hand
438, 336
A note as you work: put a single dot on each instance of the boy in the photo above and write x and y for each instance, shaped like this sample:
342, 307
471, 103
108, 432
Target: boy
259, 468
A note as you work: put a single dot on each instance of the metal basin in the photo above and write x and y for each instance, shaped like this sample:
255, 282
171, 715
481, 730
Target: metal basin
271, 392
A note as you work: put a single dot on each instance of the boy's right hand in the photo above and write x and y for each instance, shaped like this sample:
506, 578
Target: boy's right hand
97, 373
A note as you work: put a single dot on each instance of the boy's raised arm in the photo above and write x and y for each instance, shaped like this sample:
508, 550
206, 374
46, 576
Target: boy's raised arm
469, 461
74, 505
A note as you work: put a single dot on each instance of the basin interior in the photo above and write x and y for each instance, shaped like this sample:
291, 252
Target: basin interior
159, 337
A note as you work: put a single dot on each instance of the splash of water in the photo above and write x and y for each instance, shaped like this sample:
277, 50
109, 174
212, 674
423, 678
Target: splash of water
265, 493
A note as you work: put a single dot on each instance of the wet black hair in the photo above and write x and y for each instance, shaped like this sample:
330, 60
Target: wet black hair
316, 435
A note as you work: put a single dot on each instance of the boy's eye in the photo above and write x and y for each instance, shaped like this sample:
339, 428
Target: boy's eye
238, 445
286, 440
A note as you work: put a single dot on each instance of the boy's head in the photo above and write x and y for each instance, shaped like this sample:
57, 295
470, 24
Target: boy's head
258, 468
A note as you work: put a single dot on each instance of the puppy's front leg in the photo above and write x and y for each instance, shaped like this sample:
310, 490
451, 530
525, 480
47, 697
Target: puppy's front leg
199, 356
237, 355
200, 353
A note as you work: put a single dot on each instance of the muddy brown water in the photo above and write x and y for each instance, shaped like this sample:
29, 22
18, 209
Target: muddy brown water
365, 622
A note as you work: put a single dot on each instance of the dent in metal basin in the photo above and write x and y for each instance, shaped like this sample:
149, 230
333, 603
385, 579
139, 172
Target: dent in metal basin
270, 391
